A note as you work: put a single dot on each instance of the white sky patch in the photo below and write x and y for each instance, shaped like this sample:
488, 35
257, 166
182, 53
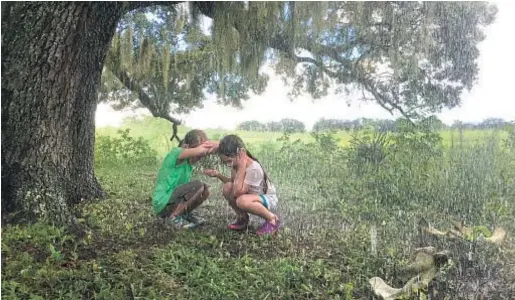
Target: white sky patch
492, 96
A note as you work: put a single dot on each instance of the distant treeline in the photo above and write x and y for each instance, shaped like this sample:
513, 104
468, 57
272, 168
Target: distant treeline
285, 125
292, 125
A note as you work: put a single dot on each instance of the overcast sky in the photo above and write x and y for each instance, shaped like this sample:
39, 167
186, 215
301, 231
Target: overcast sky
492, 96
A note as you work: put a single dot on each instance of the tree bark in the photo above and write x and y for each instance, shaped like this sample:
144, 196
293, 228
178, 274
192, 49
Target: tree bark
52, 59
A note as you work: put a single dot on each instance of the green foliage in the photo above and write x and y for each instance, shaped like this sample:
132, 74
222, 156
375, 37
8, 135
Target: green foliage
285, 125
509, 141
389, 173
42, 240
405, 68
168, 62
332, 194
285, 277
123, 150
252, 126
476, 173
368, 148
480, 231
147, 63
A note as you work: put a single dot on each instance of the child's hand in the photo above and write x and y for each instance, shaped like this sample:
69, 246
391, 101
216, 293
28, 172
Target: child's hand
211, 145
241, 160
211, 173
206, 149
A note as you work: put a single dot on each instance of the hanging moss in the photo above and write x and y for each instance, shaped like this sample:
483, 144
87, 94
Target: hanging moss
179, 24
145, 55
165, 65
127, 47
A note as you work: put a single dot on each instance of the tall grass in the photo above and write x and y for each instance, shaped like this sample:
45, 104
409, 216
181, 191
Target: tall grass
335, 189
157, 133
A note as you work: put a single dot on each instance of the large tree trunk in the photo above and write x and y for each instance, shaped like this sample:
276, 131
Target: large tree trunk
52, 59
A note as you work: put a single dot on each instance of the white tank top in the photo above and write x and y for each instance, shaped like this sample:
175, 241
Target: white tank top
255, 178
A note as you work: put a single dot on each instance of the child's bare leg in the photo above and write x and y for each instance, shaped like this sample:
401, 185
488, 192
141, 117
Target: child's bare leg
205, 193
251, 203
193, 200
227, 191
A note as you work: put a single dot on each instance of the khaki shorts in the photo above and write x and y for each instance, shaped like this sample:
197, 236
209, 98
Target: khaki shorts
181, 193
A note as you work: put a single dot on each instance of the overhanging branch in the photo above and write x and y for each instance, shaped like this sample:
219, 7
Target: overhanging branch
353, 67
383, 101
130, 84
283, 42
145, 99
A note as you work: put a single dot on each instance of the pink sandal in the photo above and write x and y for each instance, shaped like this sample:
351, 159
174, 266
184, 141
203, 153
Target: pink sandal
239, 224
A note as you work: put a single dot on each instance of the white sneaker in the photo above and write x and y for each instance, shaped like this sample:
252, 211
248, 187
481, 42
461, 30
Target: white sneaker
178, 222
193, 218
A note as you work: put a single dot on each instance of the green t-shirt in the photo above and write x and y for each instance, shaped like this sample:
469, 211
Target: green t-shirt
170, 176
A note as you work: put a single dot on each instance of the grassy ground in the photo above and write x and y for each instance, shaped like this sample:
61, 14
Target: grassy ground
331, 199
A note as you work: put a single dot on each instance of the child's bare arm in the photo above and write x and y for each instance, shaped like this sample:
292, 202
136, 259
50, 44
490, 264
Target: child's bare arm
226, 179
223, 178
216, 174
213, 145
239, 186
233, 174
192, 152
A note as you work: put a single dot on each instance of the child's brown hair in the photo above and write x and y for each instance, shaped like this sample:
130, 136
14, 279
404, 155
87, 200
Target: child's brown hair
193, 138
230, 146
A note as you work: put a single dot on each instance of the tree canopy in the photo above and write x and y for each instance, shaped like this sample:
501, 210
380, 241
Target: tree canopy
160, 56
411, 57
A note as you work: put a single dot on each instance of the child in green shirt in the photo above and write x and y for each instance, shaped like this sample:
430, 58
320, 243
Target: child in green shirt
175, 195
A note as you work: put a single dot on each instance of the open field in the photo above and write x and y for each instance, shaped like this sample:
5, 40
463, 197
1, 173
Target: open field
158, 132
350, 213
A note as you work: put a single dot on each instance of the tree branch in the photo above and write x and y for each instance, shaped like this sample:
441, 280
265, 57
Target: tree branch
281, 42
382, 100
321, 65
333, 54
124, 77
132, 5
207, 8
145, 99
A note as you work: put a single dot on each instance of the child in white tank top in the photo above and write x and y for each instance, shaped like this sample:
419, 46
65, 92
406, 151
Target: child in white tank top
248, 190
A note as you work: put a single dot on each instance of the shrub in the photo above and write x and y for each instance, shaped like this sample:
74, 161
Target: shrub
124, 149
